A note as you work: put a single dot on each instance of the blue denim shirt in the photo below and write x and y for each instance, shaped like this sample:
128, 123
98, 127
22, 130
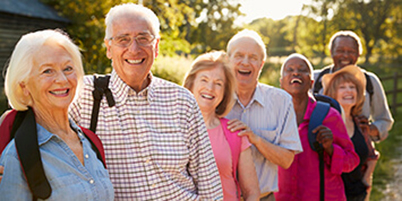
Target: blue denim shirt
68, 177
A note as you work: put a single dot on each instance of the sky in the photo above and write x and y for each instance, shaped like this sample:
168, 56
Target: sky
275, 9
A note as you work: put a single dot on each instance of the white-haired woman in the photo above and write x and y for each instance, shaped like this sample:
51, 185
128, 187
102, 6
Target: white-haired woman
43, 75
301, 181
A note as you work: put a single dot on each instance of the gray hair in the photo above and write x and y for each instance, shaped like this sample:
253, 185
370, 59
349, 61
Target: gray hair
122, 10
246, 33
21, 63
302, 57
346, 33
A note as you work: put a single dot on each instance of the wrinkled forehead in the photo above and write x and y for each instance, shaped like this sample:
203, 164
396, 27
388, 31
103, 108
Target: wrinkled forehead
131, 21
246, 45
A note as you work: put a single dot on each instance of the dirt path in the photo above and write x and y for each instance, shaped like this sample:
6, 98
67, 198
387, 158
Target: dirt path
393, 191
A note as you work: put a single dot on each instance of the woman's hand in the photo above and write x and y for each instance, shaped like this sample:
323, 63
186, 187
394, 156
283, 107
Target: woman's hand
325, 138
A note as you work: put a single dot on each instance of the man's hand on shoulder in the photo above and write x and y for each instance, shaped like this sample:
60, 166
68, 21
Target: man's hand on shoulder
237, 125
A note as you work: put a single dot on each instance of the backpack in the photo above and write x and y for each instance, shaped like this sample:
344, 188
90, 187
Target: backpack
21, 126
318, 85
324, 103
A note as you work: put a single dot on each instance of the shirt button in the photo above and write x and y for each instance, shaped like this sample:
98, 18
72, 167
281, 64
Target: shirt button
91, 181
86, 156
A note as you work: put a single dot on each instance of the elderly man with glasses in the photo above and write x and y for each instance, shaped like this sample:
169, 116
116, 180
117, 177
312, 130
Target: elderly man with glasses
156, 143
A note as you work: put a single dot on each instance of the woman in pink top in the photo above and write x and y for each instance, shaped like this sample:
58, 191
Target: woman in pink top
212, 83
301, 181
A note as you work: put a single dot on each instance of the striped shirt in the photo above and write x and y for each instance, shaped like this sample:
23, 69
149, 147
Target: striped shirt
270, 115
156, 143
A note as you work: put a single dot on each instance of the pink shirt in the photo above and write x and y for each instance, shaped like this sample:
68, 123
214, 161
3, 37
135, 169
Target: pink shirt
222, 153
301, 181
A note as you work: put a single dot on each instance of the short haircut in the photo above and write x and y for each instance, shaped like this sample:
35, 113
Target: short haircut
128, 9
246, 33
302, 57
207, 61
340, 78
22, 58
346, 33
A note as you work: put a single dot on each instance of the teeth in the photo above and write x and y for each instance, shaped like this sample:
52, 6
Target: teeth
134, 61
207, 96
244, 71
59, 92
296, 80
345, 62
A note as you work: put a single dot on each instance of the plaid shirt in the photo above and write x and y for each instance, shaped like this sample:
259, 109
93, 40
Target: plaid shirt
156, 143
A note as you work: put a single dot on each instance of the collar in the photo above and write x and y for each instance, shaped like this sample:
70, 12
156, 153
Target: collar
44, 135
310, 107
257, 97
121, 90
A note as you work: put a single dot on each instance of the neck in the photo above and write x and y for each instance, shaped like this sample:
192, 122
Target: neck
138, 86
210, 119
300, 105
53, 120
347, 110
245, 95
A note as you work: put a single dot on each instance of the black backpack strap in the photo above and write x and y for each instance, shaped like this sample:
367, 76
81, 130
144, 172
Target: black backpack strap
101, 86
317, 82
369, 85
26, 142
316, 119
19, 117
332, 102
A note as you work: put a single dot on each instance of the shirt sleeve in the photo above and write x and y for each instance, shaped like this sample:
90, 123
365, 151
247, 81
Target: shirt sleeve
289, 132
244, 143
13, 186
380, 115
344, 157
372, 153
202, 166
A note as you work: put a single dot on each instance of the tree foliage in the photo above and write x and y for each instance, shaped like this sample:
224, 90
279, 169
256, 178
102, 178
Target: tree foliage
186, 26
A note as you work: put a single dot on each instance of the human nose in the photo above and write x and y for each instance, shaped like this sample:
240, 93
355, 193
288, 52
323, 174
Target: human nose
61, 77
133, 45
209, 85
245, 60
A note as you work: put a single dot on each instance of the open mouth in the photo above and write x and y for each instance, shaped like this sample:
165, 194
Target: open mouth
244, 72
207, 96
348, 97
346, 62
135, 61
60, 92
296, 80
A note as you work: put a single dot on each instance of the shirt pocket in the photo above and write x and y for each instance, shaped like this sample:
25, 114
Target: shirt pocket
68, 187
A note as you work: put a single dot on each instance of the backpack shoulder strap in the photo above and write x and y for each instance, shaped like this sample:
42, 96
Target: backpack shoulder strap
369, 85
26, 142
317, 83
101, 86
317, 117
332, 102
96, 144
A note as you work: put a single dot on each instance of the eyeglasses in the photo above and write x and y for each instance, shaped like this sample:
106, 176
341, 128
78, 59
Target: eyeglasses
126, 40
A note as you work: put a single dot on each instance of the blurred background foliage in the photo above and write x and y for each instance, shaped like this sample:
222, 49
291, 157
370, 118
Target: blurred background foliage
192, 27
